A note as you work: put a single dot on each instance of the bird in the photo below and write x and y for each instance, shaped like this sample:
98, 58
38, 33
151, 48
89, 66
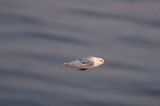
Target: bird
85, 63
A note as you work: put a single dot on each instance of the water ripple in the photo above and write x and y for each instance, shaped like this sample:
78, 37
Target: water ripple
46, 37
20, 19
139, 41
94, 14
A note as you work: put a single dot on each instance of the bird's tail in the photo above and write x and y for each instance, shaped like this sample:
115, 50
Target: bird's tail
65, 64
71, 64
68, 64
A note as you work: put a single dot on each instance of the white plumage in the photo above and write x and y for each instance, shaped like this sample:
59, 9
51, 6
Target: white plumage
85, 63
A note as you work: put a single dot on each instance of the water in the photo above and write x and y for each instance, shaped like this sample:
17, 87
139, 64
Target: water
38, 36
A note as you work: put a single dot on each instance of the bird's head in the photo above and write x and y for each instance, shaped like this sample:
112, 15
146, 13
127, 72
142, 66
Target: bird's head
99, 61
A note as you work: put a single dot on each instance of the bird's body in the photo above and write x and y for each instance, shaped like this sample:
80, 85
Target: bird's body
85, 63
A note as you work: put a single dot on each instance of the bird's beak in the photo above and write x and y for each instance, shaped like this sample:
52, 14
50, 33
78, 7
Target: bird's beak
105, 62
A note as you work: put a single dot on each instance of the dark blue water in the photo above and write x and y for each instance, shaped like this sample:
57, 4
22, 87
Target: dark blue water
38, 36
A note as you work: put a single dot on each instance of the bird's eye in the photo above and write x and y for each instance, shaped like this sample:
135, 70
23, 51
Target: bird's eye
101, 60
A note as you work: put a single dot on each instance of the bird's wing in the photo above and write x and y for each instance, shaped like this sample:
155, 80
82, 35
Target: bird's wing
86, 62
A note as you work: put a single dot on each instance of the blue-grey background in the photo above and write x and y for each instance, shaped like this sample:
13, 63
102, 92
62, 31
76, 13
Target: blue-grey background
38, 36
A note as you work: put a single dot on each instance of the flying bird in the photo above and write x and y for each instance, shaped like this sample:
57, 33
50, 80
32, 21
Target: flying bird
85, 63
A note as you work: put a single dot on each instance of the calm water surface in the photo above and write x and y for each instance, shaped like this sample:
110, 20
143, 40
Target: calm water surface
38, 36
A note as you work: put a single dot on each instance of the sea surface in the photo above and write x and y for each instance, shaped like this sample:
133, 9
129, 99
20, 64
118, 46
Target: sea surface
38, 36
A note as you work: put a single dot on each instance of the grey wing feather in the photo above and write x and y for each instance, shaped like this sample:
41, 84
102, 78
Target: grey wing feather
86, 62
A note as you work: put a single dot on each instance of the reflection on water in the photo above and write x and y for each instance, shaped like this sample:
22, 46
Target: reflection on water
37, 37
